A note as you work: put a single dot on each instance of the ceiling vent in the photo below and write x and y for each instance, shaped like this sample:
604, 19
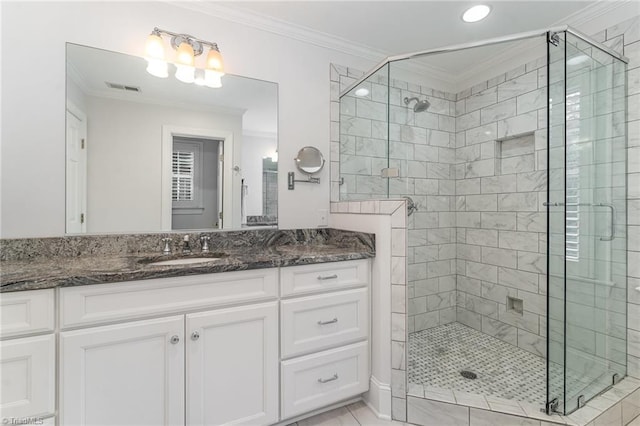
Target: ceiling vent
123, 87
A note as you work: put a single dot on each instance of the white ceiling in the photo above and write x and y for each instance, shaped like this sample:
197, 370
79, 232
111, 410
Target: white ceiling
255, 100
397, 27
389, 28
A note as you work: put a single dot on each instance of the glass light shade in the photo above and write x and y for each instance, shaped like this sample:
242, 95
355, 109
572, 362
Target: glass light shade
214, 62
185, 55
158, 68
154, 49
212, 79
185, 74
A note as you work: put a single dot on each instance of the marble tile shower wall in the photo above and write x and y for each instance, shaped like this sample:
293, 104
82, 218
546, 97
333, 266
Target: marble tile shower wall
421, 145
501, 222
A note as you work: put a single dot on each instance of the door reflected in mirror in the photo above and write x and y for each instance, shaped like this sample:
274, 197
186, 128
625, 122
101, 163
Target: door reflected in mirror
149, 154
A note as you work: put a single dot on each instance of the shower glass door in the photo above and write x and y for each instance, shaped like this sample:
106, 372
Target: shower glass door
587, 221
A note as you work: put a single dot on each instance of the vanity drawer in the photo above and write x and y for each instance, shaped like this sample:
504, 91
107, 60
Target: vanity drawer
324, 276
320, 379
26, 312
28, 371
95, 304
322, 321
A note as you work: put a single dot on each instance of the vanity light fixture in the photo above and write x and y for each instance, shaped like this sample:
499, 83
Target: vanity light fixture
476, 13
187, 49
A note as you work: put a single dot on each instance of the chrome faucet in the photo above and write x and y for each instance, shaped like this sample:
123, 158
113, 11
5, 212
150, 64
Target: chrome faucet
204, 243
186, 247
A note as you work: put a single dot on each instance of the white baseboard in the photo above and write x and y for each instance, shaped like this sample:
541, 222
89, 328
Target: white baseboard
378, 399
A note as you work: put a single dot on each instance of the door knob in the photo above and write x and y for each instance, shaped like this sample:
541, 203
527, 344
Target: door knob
175, 339
195, 335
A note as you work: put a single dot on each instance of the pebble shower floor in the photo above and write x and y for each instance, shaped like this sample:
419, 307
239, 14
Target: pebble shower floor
438, 355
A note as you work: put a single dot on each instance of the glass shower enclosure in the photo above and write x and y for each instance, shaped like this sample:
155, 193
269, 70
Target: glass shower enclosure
587, 221
528, 168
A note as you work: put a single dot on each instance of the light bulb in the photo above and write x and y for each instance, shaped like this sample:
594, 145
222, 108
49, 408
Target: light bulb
154, 49
199, 79
185, 74
212, 79
476, 13
214, 62
185, 55
158, 68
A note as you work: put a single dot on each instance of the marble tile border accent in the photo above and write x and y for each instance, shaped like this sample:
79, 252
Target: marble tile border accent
397, 209
429, 406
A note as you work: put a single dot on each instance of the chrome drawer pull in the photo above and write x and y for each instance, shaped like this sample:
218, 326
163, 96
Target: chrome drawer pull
329, 277
335, 377
328, 322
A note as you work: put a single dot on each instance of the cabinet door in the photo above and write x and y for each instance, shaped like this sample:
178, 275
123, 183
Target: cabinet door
232, 366
27, 373
123, 374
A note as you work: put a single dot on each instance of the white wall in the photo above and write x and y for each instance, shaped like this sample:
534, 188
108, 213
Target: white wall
33, 85
125, 160
254, 148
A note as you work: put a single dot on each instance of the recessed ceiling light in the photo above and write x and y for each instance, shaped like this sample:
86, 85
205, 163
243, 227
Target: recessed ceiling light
362, 91
476, 13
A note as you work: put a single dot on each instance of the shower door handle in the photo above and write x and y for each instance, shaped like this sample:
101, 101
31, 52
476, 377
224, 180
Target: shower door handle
612, 235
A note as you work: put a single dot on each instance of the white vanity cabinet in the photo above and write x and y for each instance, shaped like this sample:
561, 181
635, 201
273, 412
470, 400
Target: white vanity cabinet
254, 347
123, 374
324, 333
27, 355
232, 366
221, 362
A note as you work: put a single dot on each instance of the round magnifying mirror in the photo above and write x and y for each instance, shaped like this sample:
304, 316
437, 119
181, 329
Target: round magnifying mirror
309, 160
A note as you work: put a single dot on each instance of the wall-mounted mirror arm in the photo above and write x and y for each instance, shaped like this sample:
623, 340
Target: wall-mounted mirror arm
291, 180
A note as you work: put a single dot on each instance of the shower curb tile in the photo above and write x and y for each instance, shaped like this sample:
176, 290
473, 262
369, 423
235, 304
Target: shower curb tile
507, 409
479, 417
431, 413
415, 390
471, 400
603, 402
439, 394
613, 416
584, 415
534, 412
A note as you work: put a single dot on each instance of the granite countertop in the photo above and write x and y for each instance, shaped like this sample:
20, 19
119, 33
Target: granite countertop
84, 269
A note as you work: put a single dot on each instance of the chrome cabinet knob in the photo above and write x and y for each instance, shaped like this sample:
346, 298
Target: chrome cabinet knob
175, 339
195, 335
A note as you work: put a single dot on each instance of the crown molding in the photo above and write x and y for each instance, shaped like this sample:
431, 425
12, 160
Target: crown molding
591, 14
282, 28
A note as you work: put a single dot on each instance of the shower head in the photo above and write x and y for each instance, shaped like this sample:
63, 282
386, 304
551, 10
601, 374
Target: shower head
419, 106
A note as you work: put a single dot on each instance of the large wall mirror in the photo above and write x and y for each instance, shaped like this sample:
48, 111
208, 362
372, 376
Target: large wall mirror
148, 154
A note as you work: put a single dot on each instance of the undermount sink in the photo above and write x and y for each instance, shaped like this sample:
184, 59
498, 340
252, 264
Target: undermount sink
187, 261
184, 260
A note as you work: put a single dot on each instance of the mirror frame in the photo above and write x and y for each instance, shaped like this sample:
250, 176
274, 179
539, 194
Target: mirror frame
316, 151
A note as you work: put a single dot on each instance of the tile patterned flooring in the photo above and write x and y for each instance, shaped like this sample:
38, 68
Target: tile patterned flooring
437, 355
355, 414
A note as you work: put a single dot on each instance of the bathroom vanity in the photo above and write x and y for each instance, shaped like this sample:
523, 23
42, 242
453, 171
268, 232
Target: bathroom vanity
251, 344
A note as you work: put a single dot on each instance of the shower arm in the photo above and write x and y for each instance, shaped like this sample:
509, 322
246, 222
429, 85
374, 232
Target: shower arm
612, 235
